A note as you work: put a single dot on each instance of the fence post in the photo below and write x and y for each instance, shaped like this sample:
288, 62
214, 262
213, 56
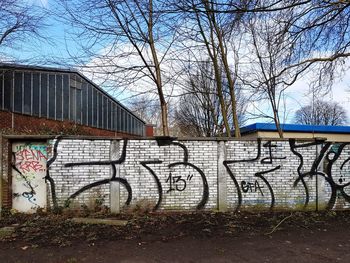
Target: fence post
320, 183
222, 177
114, 189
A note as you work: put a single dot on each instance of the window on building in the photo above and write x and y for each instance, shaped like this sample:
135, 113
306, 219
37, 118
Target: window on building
95, 103
27, 93
8, 84
75, 98
65, 89
109, 114
113, 116
52, 93
18, 92
128, 120
99, 110
90, 105
36, 94
84, 106
44, 95
78, 103
118, 118
105, 112
124, 128
59, 97
72, 103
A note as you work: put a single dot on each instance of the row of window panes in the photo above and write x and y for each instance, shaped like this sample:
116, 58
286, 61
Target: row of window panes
64, 97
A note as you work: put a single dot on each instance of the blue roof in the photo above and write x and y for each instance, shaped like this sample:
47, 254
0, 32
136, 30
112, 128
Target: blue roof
295, 128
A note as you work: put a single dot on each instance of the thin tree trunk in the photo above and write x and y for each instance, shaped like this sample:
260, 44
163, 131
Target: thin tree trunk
229, 77
163, 104
277, 122
231, 89
221, 98
214, 58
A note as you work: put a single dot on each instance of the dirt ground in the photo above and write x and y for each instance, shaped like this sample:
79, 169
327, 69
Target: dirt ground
181, 237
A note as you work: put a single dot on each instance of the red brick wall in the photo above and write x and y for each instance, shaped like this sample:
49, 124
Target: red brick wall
25, 124
5, 120
149, 130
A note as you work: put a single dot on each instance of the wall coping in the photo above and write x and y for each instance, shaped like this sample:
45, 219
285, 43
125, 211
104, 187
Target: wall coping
84, 137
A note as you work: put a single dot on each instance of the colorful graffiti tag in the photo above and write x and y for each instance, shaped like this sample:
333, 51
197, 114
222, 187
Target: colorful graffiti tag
29, 169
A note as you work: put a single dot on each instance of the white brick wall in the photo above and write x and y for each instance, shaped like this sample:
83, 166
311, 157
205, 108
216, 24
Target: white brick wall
68, 180
204, 155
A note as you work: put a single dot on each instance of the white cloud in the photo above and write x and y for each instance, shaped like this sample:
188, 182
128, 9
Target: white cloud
295, 97
42, 3
122, 73
301, 94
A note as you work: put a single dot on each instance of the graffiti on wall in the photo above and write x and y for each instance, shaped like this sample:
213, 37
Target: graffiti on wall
330, 155
246, 186
331, 162
111, 163
252, 187
29, 167
176, 183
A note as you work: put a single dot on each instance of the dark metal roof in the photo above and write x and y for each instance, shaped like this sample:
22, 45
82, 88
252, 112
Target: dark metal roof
41, 68
68, 71
295, 128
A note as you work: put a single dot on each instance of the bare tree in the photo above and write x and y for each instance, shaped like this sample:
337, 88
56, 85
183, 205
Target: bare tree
211, 32
301, 37
321, 113
269, 72
146, 107
198, 112
112, 26
199, 109
249, 6
285, 40
18, 22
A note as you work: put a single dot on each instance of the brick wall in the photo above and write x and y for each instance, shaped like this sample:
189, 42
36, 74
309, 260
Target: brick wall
5, 120
25, 124
149, 130
201, 174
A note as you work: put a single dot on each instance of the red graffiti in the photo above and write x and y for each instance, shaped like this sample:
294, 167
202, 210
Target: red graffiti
30, 155
30, 160
26, 166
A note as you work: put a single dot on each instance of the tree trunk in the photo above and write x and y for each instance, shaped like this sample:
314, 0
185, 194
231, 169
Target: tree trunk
211, 48
277, 122
165, 128
221, 98
158, 80
229, 78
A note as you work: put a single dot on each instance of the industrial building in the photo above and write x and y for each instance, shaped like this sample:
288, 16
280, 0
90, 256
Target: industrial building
37, 98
